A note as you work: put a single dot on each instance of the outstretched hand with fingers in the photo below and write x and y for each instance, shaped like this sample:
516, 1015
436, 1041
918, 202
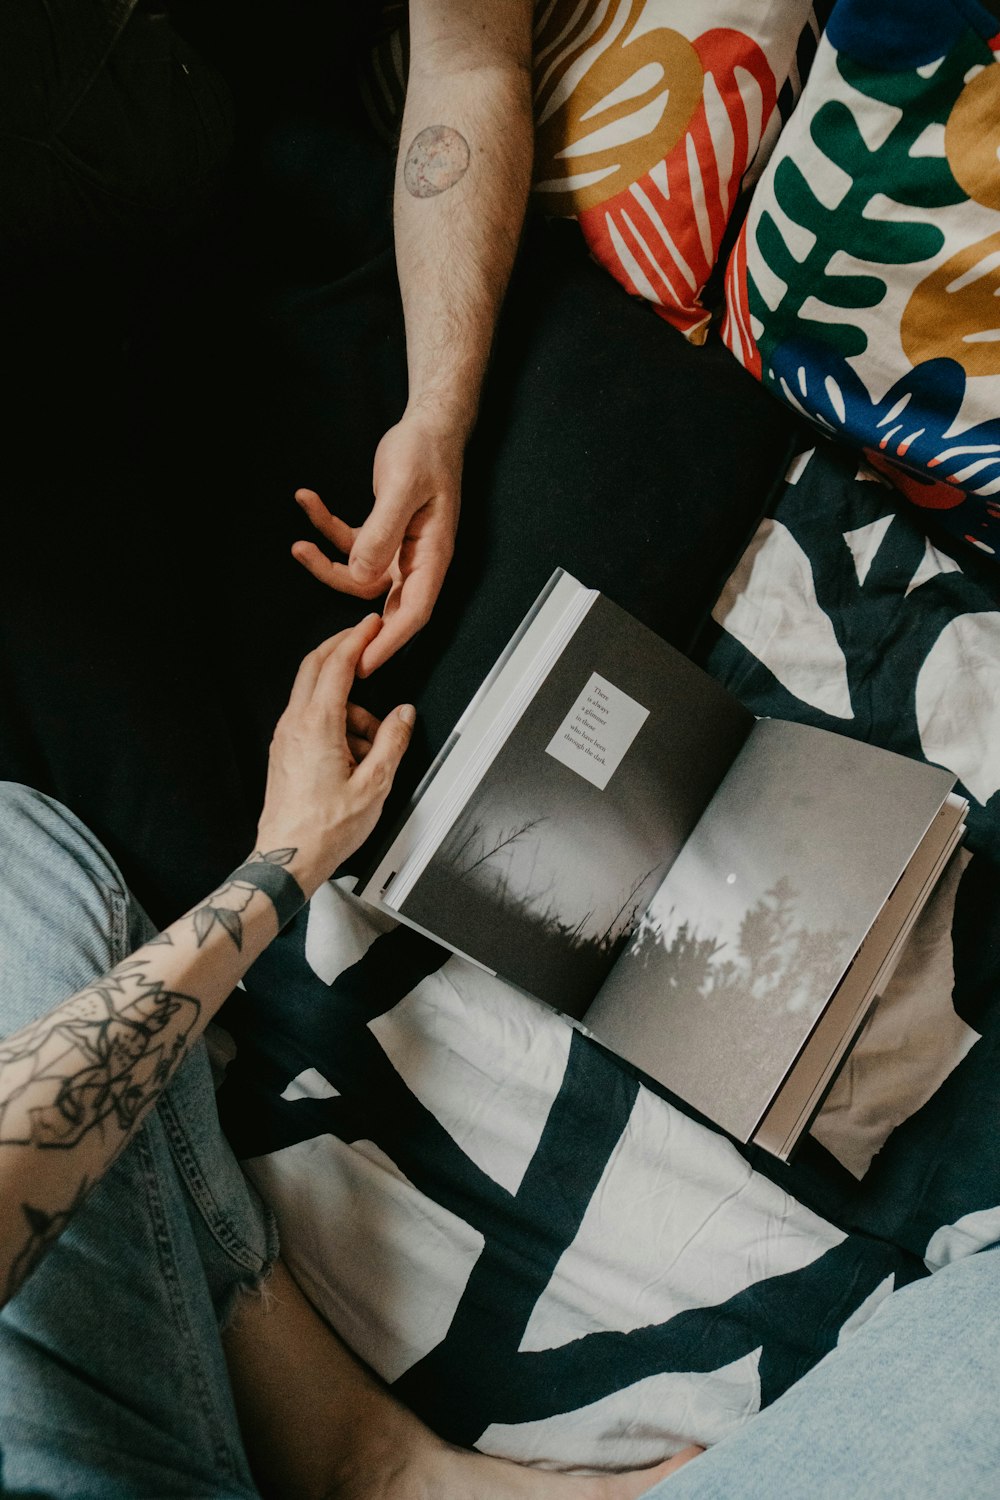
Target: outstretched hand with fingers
405, 546
331, 763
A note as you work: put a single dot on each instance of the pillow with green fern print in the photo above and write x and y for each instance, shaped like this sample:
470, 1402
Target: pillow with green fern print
864, 288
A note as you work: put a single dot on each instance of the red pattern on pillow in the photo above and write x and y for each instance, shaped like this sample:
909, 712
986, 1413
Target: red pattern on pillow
660, 236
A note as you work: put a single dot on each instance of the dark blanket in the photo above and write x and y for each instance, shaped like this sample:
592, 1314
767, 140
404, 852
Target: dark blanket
152, 616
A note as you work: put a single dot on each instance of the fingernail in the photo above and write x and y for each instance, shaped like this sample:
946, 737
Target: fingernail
408, 714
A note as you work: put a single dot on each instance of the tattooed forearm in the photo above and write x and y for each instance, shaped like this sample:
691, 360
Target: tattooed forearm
77, 1083
438, 157
225, 907
263, 871
99, 1056
44, 1229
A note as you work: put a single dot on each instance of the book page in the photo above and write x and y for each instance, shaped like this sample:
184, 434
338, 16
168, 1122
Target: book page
761, 914
478, 734
597, 731
556, 851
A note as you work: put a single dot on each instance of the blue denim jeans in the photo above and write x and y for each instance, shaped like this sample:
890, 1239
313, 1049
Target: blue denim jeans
907, 1408
112, 1376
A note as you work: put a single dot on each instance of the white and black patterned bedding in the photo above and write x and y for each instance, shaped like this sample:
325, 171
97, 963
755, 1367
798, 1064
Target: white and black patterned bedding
545, 1257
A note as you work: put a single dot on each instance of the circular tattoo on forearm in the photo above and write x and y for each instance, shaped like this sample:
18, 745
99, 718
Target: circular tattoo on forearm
437, 158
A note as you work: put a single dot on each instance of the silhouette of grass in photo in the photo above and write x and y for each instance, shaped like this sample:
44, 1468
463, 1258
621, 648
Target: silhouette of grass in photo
477, 896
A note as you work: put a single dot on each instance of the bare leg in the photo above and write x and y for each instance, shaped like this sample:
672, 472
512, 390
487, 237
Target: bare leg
317, 1425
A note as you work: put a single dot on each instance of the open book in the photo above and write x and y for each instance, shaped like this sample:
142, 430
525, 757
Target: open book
719, 899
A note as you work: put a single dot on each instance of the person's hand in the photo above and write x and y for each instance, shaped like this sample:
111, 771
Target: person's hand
404, 547
331, 763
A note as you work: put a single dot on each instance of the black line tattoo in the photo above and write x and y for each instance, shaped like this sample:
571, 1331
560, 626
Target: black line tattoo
99, 1056
273, 856
437, 158
43, 1230
227, 905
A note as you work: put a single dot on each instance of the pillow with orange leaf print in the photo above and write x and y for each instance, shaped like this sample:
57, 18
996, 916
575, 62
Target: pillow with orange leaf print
864, 287
650, 117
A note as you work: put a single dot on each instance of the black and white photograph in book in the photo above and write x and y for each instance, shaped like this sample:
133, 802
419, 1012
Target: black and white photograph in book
762, 913
557, 851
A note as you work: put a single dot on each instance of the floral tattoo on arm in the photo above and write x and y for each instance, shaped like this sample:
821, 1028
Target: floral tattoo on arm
93, 1066
262, 872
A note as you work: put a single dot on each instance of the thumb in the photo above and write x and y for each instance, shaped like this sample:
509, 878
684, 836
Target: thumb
379, 767
378, 540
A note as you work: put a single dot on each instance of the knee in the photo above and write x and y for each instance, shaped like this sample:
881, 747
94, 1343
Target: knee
64, 912
39, 833
24, 813
28, 816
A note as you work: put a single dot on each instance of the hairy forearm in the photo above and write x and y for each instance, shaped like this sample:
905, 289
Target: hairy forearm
76, 1084
462, 182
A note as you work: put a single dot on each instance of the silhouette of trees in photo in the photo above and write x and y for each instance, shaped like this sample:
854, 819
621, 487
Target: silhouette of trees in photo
777, 964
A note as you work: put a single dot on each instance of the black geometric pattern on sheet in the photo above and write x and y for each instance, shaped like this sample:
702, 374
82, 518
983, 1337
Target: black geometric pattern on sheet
943, 1163
289, 1019
460, 1388
885, 627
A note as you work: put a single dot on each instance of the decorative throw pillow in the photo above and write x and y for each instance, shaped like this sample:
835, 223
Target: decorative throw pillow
863, 286
650, 117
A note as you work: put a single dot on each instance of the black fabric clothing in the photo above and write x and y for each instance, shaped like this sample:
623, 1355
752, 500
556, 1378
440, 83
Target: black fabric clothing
115, 162
114, 130
152, 615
